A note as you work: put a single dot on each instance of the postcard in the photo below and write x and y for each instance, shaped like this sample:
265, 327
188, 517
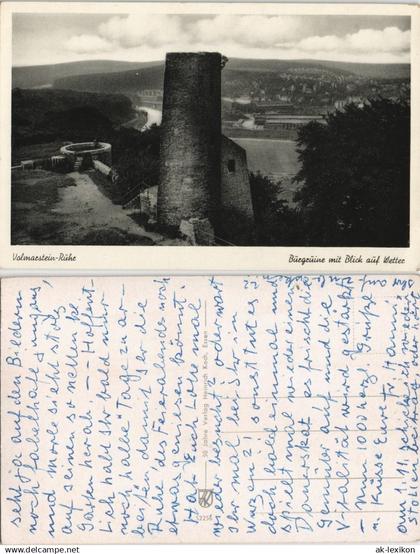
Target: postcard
216, 409
210, 137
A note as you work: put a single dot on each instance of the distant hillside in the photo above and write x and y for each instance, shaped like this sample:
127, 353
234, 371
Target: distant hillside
39, 75
373, 70
48, 115
151, 76
123, 81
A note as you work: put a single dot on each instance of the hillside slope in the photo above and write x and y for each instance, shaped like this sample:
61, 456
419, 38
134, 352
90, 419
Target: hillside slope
122, 81
236, 76
369, 70
41, 75
46, 115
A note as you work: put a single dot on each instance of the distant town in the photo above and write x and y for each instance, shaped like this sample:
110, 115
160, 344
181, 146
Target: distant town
276, 106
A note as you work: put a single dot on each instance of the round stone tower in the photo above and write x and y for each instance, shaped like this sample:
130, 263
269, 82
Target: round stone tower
189, 184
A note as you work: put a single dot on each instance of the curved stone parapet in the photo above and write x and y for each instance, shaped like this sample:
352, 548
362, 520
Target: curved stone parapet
101, 151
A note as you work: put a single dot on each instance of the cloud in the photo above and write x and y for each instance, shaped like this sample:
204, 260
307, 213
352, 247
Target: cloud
149, 36
324, 43
366, 41
87, 44
139, 29
390, 39
249, 30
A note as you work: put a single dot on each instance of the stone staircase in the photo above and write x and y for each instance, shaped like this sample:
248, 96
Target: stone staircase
132, 203
77, 163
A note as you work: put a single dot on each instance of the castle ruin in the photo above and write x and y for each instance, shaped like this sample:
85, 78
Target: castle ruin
203, 175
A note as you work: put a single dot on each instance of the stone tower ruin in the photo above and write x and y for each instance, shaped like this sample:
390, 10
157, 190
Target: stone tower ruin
203, 176
189, 184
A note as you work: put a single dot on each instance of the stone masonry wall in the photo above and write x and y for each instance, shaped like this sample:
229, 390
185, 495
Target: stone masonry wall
236, 199
189, 183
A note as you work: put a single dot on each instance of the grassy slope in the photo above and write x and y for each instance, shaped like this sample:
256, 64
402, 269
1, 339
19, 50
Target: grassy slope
35, 151
34, 194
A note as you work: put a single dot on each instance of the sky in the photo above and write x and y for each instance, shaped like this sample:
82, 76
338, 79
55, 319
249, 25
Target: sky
55, 38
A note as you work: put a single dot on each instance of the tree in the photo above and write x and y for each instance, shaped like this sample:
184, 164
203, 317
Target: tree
355, 172
136, 159
276, 223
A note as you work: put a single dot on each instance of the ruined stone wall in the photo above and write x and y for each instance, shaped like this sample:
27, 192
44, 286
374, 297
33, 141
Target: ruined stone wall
236, 200
102, 168
189, 183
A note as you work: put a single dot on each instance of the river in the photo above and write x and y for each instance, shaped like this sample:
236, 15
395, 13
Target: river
154, 117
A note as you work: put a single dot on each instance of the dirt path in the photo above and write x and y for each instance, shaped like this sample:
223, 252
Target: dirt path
88, 214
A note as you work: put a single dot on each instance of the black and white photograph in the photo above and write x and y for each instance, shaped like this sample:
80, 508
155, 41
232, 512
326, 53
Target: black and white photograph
218, 129
255, 379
